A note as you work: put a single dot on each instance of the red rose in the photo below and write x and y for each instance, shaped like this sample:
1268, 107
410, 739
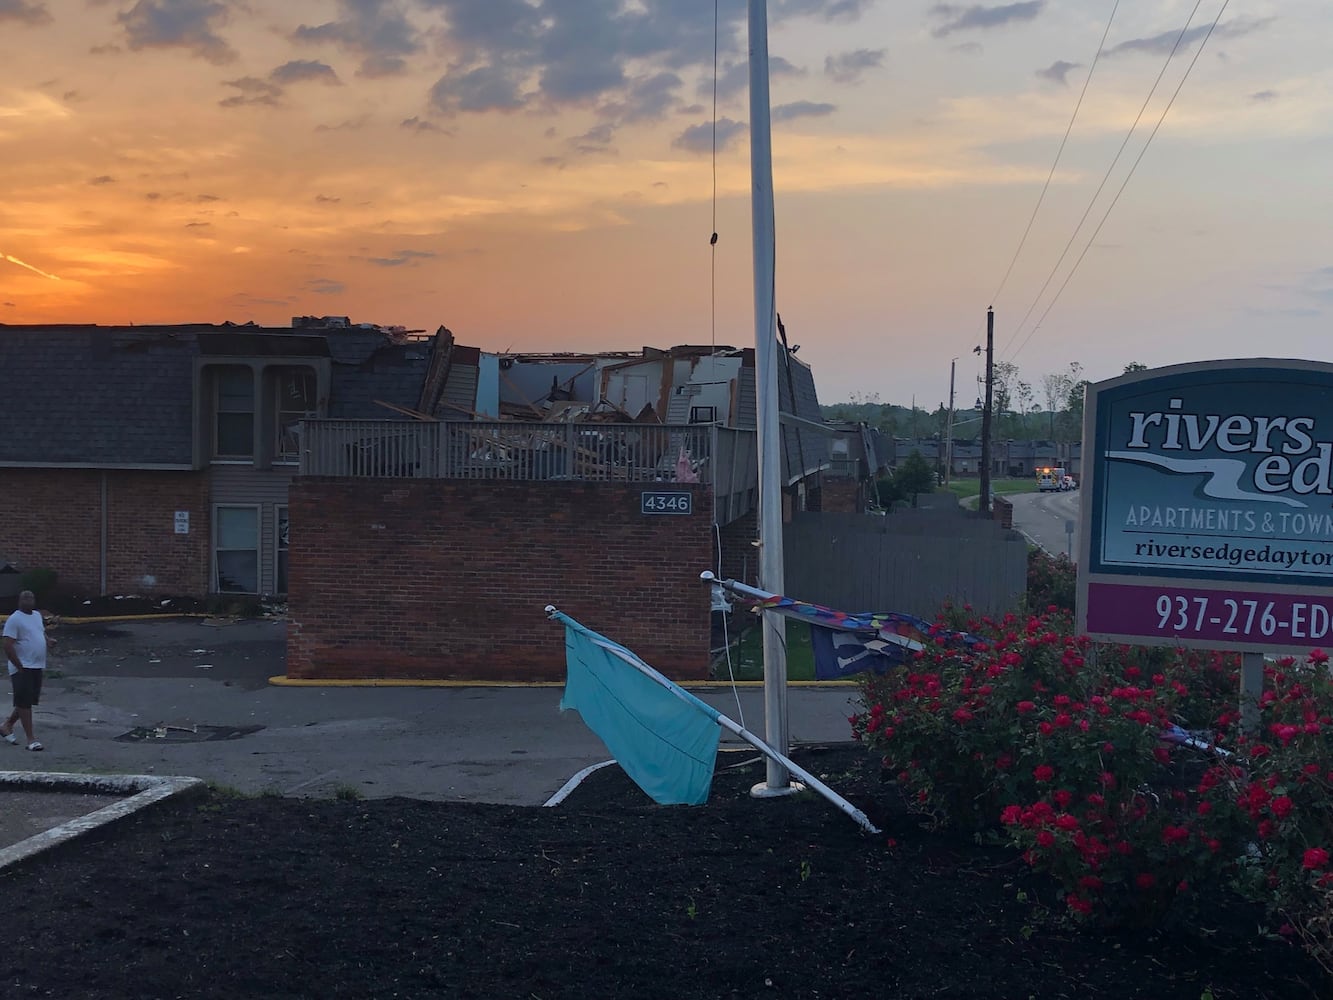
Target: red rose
1043, 772
1282, 806
1145, 880
1045, 839
1011, 815
1316, 858
1024, 707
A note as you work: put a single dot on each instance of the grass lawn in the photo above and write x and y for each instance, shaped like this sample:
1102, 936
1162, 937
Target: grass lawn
966, 488
747, 656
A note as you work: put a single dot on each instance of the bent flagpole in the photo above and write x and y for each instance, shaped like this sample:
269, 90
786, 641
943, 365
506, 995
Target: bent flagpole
687, 699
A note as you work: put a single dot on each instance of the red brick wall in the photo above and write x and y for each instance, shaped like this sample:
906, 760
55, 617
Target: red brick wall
447, 578
841, 496
52, 518
740, 558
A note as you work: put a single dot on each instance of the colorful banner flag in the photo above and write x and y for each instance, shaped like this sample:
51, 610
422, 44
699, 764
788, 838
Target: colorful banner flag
845, 644
664, 737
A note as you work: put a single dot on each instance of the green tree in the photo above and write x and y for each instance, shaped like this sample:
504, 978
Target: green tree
913, 476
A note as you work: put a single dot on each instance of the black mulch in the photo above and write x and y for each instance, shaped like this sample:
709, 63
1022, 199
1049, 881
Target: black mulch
606, 895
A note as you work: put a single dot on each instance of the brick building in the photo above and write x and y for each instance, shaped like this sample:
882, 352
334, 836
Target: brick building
355, 470
157, 460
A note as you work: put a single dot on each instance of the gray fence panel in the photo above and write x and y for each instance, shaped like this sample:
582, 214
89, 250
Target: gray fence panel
904, 563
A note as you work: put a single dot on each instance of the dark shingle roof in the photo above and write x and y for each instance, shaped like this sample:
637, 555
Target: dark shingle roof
97, 395
390, 372
804, 450
86, 395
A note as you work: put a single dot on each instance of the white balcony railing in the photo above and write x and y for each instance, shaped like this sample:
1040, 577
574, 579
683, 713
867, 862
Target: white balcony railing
402, 449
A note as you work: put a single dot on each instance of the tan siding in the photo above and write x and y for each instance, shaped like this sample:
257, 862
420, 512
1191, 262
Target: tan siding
245, 484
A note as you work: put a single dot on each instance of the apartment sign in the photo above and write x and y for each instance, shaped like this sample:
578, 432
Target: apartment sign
1208, 506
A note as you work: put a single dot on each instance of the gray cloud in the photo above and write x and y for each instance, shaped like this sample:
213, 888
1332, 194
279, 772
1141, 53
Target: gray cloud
981, 18
351, 124
300, 70
734, 77
325, 286
402, 257
802, 109
847, 67
596, 141
376, 30
324, 199
185, 24
485, 88
1058, 72
269, 92
625, 57
204, 199
11, 305
648, 98
699, 138
826, 10
252, 91
103, 179
22, 12
1163, 43
1263, 96
415, 124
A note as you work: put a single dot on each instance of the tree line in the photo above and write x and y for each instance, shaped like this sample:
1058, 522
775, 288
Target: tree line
1050, 411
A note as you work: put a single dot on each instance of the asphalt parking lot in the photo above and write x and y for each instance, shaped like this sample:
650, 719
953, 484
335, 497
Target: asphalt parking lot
193, 697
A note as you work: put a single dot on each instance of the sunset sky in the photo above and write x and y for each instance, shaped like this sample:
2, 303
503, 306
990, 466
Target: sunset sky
538, 175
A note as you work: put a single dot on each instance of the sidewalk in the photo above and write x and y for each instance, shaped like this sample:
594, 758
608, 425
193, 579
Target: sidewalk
505, 745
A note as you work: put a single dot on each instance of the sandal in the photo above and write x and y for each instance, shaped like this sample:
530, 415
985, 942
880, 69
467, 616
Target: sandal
34, 745
12, 739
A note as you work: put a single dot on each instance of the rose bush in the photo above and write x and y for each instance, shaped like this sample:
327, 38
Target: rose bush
1284, 794
1051, 581
1030, 732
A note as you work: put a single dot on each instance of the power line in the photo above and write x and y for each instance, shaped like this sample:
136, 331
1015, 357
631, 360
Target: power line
1125, 183
1097, 194
1069, 128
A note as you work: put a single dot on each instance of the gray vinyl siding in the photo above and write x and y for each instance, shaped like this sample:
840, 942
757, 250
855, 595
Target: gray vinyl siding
460, 392
245, 485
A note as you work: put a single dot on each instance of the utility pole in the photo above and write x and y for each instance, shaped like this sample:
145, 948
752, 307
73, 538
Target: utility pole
983, 505
948, 433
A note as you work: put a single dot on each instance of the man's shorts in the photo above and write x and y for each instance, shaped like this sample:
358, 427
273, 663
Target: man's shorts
27, 684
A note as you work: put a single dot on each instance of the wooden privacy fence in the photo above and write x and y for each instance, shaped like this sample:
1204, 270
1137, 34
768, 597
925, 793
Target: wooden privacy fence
910, 562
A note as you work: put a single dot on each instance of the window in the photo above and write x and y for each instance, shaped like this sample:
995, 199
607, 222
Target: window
235, 431
703, 414
236, 550
280, 576
295, 402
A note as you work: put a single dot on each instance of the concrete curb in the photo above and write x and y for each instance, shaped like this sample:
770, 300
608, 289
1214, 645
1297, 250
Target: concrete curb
143, 790
282, 680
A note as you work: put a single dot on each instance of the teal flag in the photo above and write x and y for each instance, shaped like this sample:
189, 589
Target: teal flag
664, 737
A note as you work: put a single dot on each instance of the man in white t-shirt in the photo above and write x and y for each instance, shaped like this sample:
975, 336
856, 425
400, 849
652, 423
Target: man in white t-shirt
25, 651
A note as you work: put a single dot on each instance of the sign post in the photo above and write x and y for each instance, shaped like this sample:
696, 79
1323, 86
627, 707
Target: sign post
1209, 514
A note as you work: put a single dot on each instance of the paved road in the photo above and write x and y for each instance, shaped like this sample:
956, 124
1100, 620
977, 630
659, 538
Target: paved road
1043, 517
507, 745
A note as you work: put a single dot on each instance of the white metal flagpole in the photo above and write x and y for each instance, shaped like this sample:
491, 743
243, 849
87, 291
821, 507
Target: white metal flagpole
766, 377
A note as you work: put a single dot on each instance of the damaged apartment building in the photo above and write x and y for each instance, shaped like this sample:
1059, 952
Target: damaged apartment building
418, 501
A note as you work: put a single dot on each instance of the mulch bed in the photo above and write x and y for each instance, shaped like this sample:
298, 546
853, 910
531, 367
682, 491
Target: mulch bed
606, 895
